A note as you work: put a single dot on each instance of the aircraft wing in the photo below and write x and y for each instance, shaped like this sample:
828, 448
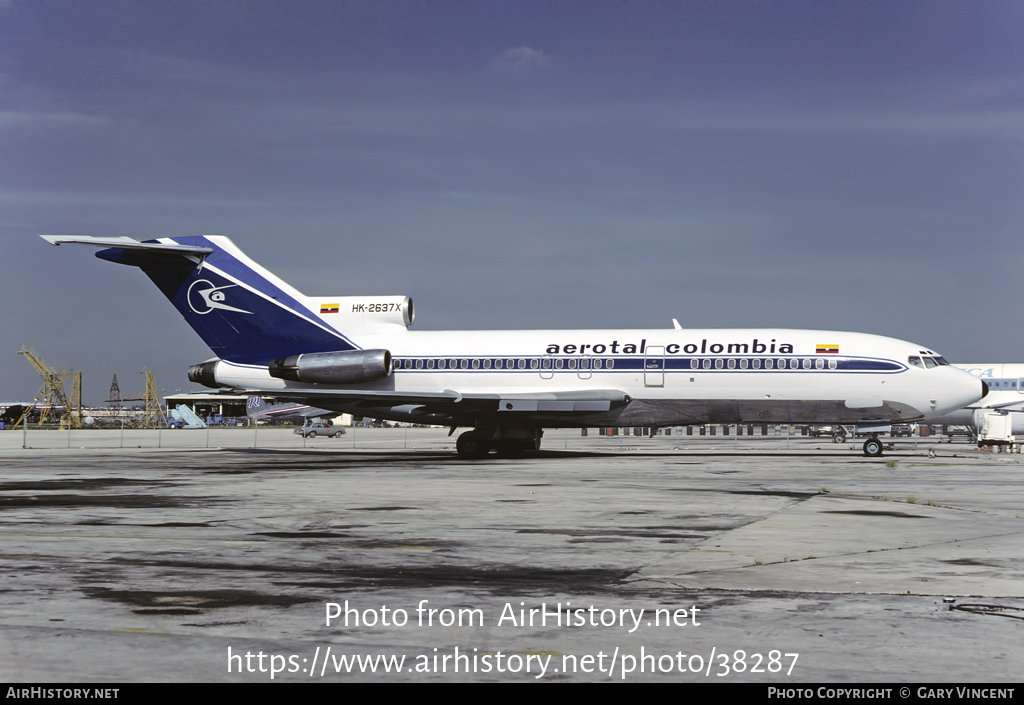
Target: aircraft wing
998, 406
584, 400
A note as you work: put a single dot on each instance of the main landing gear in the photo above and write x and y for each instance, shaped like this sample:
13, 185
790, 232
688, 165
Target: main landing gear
507, 443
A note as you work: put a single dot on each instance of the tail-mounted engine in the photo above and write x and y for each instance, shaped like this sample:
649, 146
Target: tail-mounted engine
349, 367
204, 373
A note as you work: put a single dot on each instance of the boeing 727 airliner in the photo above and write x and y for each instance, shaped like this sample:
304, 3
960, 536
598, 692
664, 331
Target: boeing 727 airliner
355, 354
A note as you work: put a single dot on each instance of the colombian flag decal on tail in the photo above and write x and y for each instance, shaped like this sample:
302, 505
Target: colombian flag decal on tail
825, 348
329, 308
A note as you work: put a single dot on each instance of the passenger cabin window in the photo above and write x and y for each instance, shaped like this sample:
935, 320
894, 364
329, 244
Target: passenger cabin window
768, 363
559, 363
476, 364
718, 363
597, 364
521, 364
743, 363
732, 364
756, 363
694, 363
440, 364
832, 364
819, 364
707, 364
611, 364
487, 364
585, 363
419, 364
430, 364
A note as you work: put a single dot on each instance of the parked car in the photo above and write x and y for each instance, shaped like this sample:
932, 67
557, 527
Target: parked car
312, 429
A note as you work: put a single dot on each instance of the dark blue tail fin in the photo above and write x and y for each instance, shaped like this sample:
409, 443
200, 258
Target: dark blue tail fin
242, 311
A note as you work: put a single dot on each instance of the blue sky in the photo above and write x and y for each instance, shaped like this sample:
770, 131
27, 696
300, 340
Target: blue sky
851, 166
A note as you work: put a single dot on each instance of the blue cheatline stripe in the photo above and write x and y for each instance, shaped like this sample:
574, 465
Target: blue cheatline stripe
640, 363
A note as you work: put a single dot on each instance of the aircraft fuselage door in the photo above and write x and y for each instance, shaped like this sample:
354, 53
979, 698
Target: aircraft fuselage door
547, 364
585, 364
654, 366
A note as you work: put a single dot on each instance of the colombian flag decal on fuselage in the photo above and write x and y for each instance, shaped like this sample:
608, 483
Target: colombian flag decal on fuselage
822, 348
329, 308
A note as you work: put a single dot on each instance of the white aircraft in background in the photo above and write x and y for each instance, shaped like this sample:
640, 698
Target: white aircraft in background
1005, 399
355, 354
290, 411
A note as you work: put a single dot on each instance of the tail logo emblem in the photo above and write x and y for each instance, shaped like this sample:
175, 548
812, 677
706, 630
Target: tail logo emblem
207, 297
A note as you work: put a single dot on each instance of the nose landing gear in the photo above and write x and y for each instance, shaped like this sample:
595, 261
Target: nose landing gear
873, 447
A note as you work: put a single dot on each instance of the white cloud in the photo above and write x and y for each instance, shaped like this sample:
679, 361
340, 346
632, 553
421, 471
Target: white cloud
522, 60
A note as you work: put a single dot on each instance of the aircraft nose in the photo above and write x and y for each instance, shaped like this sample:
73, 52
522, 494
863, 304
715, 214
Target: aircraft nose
960, 389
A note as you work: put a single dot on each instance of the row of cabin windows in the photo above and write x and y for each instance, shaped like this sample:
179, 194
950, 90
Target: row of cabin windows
1002, 384
508, 364
547, 363
756, 363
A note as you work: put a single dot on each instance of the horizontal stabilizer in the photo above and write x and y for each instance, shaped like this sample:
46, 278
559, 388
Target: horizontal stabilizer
125, 243
255, 406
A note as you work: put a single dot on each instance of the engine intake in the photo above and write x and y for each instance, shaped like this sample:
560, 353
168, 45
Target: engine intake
348, 367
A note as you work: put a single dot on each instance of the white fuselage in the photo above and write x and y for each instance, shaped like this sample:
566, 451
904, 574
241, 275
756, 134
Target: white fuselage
673, 376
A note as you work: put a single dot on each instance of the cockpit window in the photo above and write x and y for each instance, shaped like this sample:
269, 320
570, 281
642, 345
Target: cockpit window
915, 361
941, 360
930, 362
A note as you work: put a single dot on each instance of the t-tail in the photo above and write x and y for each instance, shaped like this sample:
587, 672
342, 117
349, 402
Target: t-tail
243, 312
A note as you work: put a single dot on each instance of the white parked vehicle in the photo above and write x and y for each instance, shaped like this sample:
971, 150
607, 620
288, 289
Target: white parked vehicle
319, 428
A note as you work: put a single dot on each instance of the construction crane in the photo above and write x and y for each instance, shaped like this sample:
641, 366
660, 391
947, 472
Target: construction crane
51, 395
154, 412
